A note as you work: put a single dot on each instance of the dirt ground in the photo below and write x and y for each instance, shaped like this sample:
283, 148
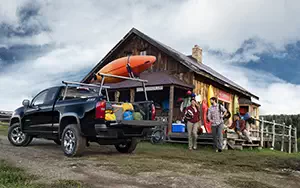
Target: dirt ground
153, 166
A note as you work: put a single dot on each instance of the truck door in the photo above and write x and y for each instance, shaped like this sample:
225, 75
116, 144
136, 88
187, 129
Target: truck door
38, 116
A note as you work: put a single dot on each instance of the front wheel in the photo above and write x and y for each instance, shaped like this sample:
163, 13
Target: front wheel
127, 147
16, 137
73, 143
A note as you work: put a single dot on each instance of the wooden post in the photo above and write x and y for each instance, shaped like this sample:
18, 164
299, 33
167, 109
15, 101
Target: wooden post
132, 95
273, 135
117, 95
267, 130
296, 144
171, 100
290, 138
282, 137
262, 132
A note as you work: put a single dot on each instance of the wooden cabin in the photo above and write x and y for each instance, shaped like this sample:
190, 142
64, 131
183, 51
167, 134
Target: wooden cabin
172, 75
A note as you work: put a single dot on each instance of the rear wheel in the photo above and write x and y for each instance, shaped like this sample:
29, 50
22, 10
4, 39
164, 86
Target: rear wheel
16, 137
127, 147
73, 144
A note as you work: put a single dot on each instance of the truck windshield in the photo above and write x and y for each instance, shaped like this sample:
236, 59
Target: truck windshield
78, 92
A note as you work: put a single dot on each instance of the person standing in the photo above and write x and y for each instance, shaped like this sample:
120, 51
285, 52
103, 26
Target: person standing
192, 116
215, 116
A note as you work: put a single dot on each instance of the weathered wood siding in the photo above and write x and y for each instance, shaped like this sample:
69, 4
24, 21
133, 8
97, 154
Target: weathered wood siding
163, 63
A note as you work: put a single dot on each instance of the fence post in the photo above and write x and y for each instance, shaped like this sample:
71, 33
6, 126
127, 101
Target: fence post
273, 135
282, 137
296, 144
290, 138
262, 133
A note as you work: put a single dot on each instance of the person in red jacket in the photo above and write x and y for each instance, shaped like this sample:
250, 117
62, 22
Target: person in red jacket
239, 126
192, 116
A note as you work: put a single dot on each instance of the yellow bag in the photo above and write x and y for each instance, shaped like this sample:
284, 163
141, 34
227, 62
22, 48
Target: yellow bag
110, 116
127, 106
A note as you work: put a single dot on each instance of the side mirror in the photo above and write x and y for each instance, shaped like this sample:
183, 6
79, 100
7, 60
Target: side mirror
26, 103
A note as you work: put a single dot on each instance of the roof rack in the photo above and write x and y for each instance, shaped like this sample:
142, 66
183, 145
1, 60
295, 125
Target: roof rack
102, 86
125, 78
67, 83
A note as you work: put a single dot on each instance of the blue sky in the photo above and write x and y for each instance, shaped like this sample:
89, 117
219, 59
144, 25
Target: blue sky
255, 43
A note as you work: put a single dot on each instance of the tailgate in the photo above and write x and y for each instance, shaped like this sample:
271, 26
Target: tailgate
138, 123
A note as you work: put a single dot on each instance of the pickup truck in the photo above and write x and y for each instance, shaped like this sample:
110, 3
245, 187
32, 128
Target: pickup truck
72, 116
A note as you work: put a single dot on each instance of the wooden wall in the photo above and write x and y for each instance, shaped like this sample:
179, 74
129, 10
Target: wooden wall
135, 45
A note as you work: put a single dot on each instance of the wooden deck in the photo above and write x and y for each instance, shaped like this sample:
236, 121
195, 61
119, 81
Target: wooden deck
231, 140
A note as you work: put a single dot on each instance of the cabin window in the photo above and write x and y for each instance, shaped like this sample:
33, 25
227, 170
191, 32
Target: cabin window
143, 52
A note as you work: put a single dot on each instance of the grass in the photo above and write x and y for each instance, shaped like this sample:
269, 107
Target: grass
13, 177
3, 128
151, 158
247, 183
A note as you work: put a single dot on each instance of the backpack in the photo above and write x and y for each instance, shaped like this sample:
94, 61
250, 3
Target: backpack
127, 115
137, 116
227, 115
188, 115
127, 106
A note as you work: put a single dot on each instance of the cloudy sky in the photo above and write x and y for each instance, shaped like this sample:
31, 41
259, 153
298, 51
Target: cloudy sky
255, 43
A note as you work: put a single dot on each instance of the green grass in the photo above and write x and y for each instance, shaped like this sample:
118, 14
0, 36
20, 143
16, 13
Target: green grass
3, 129
3, 123
13, 177
150, 158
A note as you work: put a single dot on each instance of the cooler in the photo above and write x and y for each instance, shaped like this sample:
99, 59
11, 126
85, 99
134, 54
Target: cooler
178, 127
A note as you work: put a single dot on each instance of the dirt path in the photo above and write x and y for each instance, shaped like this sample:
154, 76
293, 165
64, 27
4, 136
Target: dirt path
46, 159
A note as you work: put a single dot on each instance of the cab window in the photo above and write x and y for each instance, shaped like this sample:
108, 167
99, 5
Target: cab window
40, 98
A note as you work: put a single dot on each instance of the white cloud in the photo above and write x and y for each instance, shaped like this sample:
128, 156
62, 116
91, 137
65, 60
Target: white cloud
276, 95
82, 33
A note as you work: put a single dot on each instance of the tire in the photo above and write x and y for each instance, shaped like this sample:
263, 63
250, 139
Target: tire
58, 142
16, 137
157, 137
127, 147
73, 144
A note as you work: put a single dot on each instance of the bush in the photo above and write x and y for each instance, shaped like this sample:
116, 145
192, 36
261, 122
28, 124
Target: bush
298, 144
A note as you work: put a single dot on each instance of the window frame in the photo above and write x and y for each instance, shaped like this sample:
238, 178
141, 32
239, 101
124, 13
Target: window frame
33, 100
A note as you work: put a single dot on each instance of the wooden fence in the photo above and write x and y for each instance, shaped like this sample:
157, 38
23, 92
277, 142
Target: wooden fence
275, 134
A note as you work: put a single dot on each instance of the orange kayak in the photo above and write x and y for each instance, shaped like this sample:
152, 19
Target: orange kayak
119, 67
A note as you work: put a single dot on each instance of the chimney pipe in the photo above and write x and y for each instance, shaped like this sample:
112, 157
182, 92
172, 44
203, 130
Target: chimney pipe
197, 53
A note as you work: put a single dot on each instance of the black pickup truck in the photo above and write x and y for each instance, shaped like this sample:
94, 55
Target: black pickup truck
72, 116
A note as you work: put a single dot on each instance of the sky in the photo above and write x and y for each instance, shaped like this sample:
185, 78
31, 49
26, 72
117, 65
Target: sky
252, 42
